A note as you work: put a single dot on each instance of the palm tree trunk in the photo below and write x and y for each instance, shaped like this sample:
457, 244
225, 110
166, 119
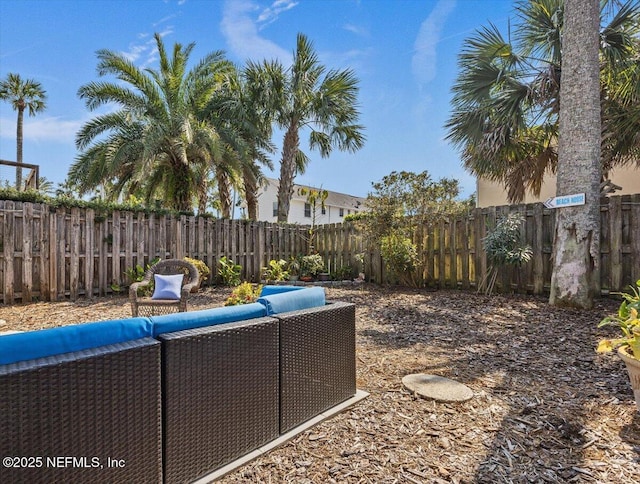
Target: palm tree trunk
576, 249
202, 196
19, 138
224, 192
250, 193
287, 171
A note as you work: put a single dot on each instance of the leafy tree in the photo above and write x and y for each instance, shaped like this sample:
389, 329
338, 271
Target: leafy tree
306, 96
23, 95
576, 246
507, 95
403, 207
158, 143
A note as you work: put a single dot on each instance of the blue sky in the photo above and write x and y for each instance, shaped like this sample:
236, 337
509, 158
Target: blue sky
404, 52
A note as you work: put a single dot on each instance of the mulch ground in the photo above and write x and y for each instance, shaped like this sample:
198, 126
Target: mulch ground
546, 407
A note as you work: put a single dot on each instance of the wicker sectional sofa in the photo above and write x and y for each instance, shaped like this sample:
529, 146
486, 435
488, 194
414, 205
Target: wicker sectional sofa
170, 398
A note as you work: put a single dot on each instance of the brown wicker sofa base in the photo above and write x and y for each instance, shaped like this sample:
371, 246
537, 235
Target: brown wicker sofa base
220, 397
188, 405
231, 389
317, 361
80, 405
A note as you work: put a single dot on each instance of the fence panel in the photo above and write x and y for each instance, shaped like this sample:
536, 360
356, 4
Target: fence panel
453, 256
51, 253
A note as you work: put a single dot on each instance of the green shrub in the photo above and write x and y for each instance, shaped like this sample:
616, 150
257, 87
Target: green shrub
203, 269
311, 265
136, 274
627, 319
245, 293
229, 272
343, 273
401, 257
504, 246
276, 271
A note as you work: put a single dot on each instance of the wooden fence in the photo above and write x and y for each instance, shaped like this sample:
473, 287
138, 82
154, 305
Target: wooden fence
453, 255
51, 254
55, 253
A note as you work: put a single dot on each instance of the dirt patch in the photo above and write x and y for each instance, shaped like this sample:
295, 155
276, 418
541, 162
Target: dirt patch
546, 407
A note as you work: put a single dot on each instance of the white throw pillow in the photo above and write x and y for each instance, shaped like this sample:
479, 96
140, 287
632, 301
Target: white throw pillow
167, 287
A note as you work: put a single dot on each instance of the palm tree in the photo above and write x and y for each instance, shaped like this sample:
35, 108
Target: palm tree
507, 95
576, 246
157, 143
246, 127
22, 94
306, 96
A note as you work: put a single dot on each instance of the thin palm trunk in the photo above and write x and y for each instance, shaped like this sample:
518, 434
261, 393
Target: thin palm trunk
202, 196
576, 248
287, 171
250, 193
19, 139
224, 192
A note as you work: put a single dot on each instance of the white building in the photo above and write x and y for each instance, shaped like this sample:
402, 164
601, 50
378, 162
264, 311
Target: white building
336, 206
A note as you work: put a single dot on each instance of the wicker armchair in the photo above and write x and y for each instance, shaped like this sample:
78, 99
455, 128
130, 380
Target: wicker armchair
145, 306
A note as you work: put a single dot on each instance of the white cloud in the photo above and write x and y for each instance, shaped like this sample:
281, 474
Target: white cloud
361, 31
424, 59
44, 129
145, 53
240, 20
270, 14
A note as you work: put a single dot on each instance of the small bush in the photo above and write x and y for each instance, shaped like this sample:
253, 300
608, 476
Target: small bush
276, 271
136, 274
343, 273
245, 293
203, 269
401, 257
311, 265
229, 272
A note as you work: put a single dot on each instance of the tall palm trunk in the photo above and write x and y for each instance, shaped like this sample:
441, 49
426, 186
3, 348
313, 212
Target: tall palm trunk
202, 196
287, 171
19, 138
224, 192
576, 248
250, 192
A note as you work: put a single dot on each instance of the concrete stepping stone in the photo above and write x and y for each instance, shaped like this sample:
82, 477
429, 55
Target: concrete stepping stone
437, 388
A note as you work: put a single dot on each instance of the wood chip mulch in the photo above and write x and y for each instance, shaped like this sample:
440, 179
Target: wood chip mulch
546, 407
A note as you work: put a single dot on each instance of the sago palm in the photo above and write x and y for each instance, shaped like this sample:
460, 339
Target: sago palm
156, 143
506, 97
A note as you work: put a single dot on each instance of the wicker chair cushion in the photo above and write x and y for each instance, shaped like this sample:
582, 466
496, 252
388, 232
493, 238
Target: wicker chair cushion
293, 300
268, 290
66, 339
167, 287
169, 323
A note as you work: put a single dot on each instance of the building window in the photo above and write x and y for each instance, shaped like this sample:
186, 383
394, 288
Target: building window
307, 210
275, 209
349, 212
342, 212
324, 210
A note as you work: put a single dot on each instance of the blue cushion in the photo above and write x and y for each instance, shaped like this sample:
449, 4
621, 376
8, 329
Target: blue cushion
268, 290
208, 317
167, 287
293, 300
65, 339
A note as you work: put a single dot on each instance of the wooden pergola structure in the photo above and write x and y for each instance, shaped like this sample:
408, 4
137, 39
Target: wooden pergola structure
33, 180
